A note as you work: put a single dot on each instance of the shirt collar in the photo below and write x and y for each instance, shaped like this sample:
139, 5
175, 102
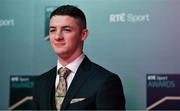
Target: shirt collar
73, 66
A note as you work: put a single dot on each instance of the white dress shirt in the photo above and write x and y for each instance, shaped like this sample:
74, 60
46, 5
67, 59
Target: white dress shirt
73, 66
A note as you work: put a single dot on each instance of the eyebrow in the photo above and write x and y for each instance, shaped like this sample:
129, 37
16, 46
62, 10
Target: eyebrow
66, 26
52, 27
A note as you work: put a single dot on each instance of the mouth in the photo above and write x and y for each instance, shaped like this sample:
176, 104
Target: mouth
61, 43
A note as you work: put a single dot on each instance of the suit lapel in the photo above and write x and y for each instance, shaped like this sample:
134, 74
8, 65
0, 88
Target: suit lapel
51, 89
82, 74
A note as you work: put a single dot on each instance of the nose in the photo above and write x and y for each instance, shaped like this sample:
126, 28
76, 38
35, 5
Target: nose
59, 35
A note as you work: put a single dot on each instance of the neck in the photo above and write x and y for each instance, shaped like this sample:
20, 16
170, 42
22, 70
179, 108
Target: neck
66, 60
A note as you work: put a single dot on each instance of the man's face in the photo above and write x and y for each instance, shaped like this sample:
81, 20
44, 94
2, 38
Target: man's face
66, 36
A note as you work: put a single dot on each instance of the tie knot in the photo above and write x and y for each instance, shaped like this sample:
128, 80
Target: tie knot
64, 72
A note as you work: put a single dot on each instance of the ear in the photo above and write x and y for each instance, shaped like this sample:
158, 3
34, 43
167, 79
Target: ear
85, 34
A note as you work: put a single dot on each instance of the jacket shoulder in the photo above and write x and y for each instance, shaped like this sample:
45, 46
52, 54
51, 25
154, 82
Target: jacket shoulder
101, 70
46, 76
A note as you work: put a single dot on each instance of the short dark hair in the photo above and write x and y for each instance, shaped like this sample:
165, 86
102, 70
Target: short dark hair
72, 11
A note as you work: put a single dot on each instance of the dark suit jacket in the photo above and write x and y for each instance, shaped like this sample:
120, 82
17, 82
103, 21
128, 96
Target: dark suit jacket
100, 89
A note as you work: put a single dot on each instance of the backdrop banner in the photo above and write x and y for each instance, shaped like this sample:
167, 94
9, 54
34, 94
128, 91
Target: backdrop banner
21, 92
163, 91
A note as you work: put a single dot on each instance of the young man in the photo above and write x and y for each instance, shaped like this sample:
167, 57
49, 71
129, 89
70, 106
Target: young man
75, 83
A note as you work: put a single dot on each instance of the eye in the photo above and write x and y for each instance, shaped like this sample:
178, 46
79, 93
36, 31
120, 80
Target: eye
52, 30
67, 30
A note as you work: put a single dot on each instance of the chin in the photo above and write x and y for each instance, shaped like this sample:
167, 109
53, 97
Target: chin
60, 53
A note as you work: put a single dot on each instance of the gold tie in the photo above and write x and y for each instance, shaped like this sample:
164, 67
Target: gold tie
62, 86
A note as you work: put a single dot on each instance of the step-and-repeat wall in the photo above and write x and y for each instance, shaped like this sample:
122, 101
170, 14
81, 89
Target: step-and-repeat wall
137, 39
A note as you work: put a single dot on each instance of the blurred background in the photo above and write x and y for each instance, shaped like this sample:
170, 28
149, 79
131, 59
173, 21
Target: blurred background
132, 38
